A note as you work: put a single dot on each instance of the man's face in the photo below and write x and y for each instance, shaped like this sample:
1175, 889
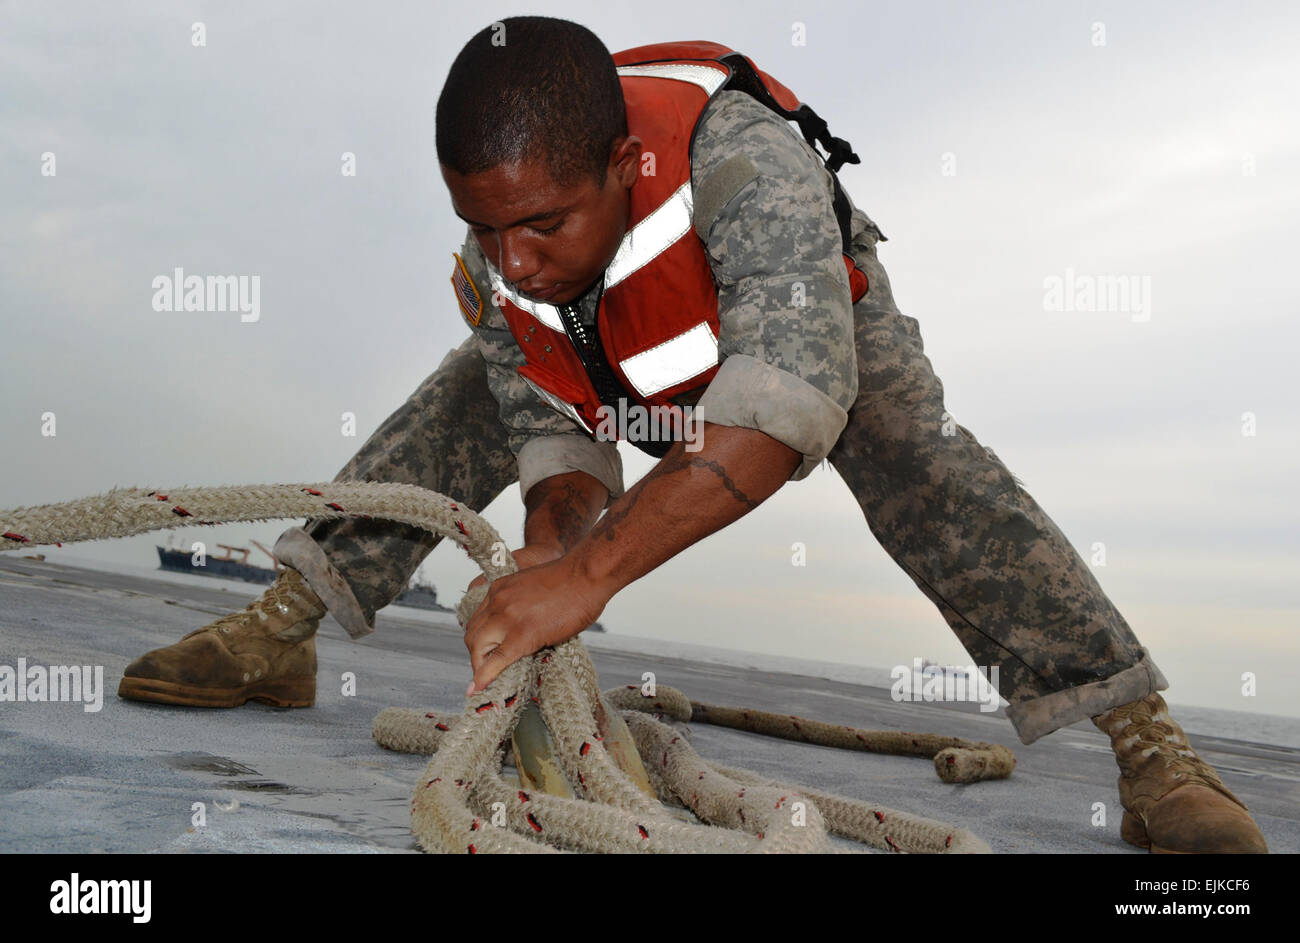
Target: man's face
550, 242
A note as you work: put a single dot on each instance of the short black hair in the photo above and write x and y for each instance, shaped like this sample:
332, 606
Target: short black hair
532, 87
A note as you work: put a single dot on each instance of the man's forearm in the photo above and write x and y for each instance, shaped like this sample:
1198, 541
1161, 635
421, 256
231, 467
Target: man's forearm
562, 508
682, 500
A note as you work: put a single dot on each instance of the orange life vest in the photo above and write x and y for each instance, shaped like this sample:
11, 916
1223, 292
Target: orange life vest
657, 318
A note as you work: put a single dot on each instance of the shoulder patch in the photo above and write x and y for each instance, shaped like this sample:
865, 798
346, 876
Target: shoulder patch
719, 189
467, 296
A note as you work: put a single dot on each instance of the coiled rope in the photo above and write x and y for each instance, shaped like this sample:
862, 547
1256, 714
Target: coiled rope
462, 804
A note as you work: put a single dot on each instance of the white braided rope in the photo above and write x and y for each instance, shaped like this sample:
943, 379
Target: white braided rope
461, 802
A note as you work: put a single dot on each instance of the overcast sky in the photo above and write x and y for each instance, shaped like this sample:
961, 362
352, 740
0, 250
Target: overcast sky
1156, 141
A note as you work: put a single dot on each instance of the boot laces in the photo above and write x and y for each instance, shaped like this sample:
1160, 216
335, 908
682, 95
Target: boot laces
1153, 751
278, 600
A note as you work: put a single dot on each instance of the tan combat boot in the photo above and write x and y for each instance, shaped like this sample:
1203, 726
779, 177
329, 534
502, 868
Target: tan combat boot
265, 652
1174, 802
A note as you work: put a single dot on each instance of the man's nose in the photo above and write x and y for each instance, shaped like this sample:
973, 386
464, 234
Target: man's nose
518, 263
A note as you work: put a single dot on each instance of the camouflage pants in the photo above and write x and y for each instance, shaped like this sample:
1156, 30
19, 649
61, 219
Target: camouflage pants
943, 506
978, 546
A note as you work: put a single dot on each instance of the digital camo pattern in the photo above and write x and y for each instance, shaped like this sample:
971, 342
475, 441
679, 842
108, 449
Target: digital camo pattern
776, 252
943, 506
948, 511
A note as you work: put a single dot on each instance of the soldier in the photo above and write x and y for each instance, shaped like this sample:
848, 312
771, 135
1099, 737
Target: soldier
648, 230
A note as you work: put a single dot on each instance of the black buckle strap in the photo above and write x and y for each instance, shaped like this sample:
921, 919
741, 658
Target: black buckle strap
838, 151
592, 354
744, 78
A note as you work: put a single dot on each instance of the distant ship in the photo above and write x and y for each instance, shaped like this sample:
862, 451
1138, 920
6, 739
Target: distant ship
416, 595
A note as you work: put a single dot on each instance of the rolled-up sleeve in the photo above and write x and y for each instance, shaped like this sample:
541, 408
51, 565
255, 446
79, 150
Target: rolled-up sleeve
548, 455
544, 441
763, 210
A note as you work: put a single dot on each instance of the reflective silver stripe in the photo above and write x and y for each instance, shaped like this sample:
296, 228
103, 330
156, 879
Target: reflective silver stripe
674, 361
558, 404
547, 314
704, 76
664, 225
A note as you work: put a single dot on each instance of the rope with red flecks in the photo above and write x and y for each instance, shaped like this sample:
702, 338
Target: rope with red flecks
462, 803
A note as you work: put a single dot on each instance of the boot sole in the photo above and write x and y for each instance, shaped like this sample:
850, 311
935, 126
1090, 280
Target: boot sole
297, 692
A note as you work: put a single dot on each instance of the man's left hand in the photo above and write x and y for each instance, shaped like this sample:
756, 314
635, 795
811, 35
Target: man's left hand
524, 612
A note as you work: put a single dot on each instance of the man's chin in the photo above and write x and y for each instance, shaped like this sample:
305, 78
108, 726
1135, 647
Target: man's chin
566, 295
571, 295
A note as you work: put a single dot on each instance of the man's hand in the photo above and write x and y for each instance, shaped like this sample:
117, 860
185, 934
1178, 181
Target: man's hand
546, 604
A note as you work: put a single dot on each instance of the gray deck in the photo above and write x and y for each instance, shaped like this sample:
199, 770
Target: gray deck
125, 779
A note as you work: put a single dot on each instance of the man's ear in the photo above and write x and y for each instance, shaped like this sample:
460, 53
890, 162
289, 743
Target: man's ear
625, 159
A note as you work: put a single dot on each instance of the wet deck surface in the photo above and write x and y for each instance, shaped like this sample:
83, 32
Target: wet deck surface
126, 778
